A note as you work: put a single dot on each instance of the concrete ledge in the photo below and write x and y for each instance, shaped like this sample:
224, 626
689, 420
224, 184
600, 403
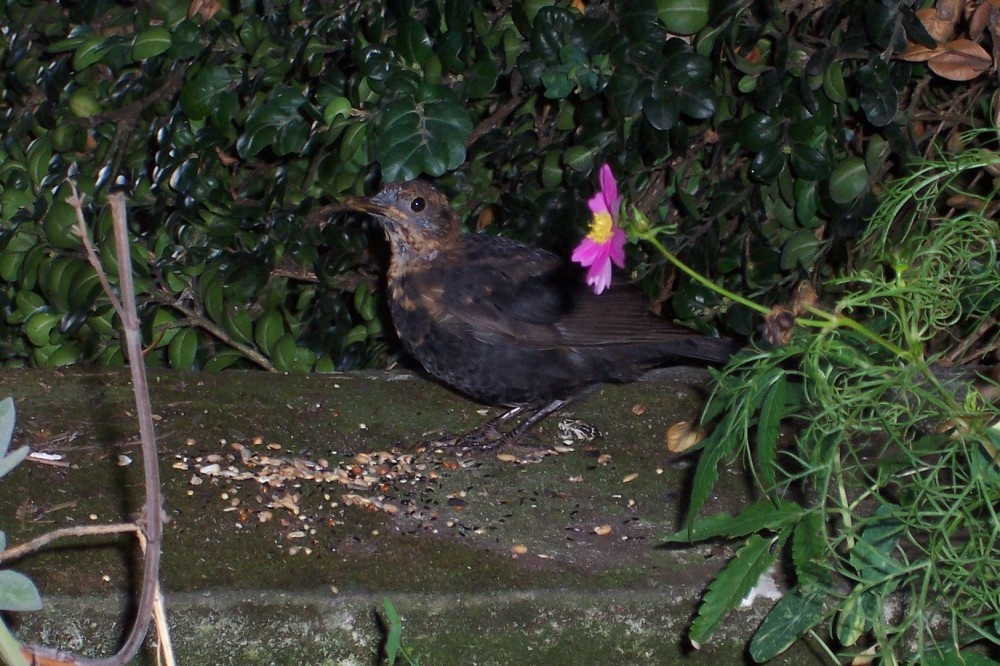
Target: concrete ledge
494, 558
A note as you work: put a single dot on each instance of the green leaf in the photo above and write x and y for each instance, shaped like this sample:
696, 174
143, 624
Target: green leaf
236, 321
222, 360
855, 615
38, 328
772, 409
13, 459
758, 130
198, 96
557, 84
762, 515
90, 51
8, 414
277, 124
793, 615
627, 89
661, 113
413, 42
268, 330
394, 633
715, 447
425, 133
809, 547
848, 180
696, 100
683, 17
809, 162
183, 349
833, 82
957, 658
878, 98
800, 250
18, 593
37, 159
768, 163
283, 353
150, 43
732, 585
481, 79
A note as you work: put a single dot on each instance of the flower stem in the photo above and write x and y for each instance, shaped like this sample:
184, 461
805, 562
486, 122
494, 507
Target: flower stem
650, 237
825, 320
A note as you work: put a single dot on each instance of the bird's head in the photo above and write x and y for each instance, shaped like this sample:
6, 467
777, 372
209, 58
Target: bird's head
416, 217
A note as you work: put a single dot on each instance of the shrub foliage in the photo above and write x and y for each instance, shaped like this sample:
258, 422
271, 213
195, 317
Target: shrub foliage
759, 129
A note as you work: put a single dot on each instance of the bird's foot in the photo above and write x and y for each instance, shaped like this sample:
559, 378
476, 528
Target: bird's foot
489, 436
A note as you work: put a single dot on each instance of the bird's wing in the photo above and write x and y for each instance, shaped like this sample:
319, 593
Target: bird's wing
500, 290
503, 290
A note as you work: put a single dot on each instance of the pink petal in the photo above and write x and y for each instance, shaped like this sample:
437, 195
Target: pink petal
599, 276
616, 247
598, 204
609, 188
587, 252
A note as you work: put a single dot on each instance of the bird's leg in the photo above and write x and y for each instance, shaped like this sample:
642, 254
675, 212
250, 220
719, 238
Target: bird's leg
514, 435
482, 437
487, 436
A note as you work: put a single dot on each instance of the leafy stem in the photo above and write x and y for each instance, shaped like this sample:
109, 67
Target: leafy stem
824, 319
650, 236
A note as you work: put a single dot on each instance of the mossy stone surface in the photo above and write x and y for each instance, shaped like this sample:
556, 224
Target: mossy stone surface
493, 559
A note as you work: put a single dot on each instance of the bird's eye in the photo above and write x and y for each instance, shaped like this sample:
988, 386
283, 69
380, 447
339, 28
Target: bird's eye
418, 204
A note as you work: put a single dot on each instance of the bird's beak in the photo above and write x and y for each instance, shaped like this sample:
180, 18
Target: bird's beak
387, 214
363, 205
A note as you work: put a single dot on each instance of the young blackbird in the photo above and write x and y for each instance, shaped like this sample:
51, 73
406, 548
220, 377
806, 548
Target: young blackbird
510, 324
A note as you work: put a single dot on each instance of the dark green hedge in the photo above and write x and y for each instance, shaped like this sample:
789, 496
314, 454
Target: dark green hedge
760, 129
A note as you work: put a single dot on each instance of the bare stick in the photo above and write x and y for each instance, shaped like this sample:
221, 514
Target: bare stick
40, 542
151, 523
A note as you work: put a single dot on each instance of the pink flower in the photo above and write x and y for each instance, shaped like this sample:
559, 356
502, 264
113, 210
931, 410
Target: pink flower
605, 242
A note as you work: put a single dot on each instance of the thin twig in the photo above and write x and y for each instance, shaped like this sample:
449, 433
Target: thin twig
494, 120
164, 644
76, 202
17, 552
150, 527
210, 327
964, 346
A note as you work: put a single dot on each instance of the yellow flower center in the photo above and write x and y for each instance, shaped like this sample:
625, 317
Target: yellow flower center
601, 228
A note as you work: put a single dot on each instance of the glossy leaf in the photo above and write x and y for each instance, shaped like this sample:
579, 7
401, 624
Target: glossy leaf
183, 349
422, 134
848, 180
683, 17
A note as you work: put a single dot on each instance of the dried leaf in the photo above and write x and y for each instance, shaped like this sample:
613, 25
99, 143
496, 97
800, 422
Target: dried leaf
979, 21
939, 24
962, 60
682, 436
919, 53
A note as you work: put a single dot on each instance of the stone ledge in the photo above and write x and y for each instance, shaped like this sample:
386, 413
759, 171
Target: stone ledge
495, 558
